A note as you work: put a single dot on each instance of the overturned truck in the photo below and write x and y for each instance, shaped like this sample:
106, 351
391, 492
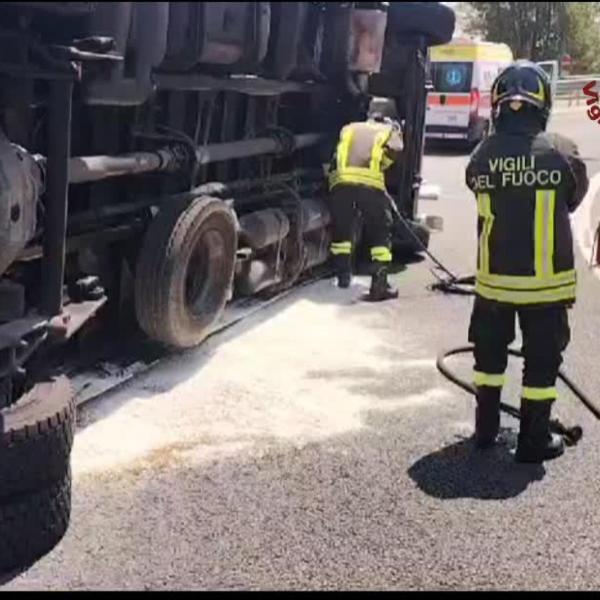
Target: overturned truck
169, 155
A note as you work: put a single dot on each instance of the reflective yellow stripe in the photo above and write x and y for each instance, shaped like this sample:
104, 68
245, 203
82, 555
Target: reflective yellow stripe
528, 283
380, 250
538, 234
386, 162
343, 148
540, 93
381, 139
488, 379
545, 202
545, 286
485, 211
560, 294
341, 248
381, 254
357, 176
550, 230
532, 393
373, 175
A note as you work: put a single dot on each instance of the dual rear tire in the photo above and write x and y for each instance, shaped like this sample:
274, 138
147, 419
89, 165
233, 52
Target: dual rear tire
36, 437
184, 277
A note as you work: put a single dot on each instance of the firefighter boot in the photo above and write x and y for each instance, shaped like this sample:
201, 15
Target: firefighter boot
380, 288
536, 443
343, 268
487, 416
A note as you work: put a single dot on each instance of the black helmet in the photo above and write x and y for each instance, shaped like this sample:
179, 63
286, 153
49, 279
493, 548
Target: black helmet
525, 82
382, 108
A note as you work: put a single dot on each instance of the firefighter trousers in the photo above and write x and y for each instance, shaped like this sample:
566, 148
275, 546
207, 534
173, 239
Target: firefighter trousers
373, 205
545, 333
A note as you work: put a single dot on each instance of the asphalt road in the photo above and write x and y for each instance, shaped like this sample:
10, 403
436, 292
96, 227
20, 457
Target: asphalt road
315, 446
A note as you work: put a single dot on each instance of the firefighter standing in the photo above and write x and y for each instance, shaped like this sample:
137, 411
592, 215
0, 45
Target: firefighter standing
526, 182
364, 152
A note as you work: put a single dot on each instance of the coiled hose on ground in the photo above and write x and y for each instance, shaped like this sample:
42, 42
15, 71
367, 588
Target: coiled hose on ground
571, 435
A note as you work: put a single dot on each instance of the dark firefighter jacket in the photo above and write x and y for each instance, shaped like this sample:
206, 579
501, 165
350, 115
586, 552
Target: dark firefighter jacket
364, 151
526, 185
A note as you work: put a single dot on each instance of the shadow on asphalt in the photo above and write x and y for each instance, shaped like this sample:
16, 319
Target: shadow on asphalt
461, 471
332, 513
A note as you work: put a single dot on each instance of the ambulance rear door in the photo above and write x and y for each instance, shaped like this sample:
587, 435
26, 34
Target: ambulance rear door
449, 103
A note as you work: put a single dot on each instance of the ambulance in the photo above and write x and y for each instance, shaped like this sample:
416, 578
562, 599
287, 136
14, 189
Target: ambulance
462, 73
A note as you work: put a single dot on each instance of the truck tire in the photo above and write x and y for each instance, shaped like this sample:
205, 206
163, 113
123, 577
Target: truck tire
36, 437
185, 271
31, 525
433, 20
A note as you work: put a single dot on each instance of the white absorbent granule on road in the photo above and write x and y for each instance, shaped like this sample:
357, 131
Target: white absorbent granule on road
306, 369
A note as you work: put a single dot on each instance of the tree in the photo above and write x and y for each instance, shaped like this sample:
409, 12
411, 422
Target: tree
583, 36
541, 30
533, 30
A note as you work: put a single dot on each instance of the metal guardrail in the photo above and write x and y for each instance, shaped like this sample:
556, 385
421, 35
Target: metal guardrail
570, 89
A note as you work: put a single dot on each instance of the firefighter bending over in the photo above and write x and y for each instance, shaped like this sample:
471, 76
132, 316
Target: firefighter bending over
357, 181
526, 182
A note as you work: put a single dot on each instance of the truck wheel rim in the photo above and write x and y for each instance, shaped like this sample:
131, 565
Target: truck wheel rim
204, 266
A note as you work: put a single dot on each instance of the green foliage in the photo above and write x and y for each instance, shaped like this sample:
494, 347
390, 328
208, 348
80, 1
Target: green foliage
583, 35
541, 30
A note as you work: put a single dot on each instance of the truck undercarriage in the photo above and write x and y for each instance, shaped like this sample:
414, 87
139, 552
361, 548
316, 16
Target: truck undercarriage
158, 160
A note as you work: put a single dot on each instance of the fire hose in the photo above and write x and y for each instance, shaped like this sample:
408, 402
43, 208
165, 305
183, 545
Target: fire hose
571, 435
464, 286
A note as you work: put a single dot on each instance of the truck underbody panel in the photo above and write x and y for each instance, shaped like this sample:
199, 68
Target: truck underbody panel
174, 153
